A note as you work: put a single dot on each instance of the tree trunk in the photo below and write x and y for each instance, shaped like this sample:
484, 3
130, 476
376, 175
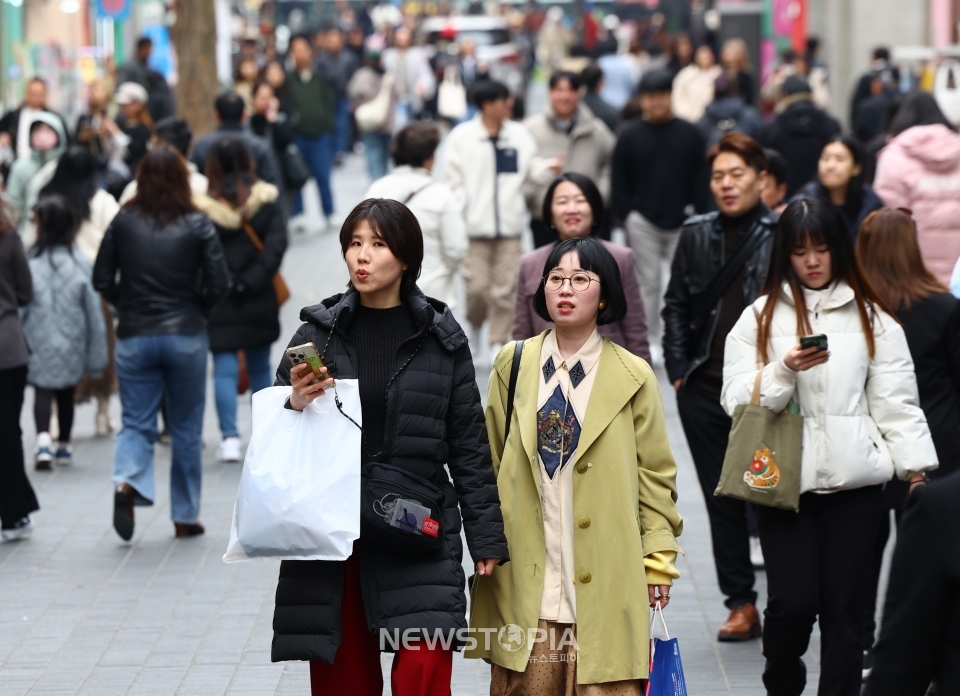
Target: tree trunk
195, 37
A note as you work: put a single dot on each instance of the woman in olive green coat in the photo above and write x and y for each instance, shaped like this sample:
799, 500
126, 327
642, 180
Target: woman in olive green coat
587, 484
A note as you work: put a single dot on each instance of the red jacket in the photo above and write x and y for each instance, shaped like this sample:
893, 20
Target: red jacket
631, 333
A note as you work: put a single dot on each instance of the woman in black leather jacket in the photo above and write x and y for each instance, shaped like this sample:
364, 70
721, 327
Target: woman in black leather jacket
253, 232
172, 273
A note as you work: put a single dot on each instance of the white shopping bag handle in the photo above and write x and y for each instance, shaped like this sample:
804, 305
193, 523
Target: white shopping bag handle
658, 610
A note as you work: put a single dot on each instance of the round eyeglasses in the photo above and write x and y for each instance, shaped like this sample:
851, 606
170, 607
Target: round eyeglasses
578, 281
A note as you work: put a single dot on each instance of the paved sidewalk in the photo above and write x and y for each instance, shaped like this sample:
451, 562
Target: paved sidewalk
81, 612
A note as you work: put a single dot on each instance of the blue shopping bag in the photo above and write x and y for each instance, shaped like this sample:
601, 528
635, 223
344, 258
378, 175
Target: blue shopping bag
666, 670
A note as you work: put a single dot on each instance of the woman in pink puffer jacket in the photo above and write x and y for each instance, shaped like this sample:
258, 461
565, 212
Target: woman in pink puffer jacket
920, 170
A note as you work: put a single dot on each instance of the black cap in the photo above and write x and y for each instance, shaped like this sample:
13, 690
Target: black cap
656, 81
795, 84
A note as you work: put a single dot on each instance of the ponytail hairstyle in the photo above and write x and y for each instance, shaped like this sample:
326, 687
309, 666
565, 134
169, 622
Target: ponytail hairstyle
821, 223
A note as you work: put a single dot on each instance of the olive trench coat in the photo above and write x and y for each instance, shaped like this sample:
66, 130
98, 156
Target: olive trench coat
624, 498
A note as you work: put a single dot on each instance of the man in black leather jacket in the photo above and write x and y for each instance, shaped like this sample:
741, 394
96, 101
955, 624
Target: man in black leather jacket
698, 313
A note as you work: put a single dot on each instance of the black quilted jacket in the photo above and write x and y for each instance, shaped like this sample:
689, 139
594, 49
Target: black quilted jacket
434, 418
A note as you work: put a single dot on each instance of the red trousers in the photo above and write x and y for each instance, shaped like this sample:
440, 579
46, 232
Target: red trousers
356, 667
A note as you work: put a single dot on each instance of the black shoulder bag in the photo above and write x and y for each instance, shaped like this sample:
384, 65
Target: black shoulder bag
703, 304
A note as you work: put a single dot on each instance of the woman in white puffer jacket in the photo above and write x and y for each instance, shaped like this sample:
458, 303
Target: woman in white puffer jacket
862, 425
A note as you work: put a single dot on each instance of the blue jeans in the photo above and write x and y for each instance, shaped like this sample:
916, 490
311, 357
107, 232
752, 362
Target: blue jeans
343, 126
226, 371
318, 154
376, 148
146, 366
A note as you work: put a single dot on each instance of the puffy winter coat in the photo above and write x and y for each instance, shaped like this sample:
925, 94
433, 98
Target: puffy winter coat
434, 418
440, 216
862, 420
586, 149
25, 168
249, 316
920, 170
64, 323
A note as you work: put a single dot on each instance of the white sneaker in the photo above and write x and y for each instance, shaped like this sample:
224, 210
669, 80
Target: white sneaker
21, 530
756, 553
495, 349
334, 223
43, 455
230, 450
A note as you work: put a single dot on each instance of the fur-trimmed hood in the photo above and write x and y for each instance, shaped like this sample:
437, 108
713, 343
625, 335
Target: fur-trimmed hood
225, 215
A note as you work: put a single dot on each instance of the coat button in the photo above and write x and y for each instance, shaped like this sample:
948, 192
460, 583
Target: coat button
582, 468
584, 522
585, 577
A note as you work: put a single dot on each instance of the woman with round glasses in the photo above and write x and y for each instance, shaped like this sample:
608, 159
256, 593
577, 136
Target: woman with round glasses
587, 486
573, 208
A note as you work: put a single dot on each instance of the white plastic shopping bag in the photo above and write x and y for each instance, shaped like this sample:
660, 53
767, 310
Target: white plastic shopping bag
299, 496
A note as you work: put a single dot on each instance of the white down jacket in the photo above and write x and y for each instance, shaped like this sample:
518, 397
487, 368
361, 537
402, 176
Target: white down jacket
862, 418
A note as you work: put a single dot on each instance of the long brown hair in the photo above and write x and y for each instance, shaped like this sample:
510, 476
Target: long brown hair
230, 170
821, 222
888, 252
163, 186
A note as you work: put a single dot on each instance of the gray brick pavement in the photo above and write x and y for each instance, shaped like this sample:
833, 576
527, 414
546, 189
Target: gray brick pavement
83, 613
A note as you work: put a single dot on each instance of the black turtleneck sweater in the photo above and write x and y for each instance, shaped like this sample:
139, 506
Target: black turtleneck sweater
377, 335
709, 375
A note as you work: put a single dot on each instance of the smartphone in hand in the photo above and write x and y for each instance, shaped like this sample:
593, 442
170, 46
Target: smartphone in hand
307, 353
818, 342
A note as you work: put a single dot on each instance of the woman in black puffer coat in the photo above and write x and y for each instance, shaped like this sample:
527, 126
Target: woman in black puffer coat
421, 411
242, 208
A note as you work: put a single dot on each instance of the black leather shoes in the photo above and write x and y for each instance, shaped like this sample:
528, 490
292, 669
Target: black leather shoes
123, 511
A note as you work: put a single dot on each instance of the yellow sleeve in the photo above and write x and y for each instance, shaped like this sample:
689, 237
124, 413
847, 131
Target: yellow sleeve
661, 567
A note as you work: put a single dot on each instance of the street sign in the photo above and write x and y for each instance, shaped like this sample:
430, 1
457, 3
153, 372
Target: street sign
116, 9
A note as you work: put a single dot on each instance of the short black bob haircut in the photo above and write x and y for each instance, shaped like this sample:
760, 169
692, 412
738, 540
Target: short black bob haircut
589, 190
397, 226
484, 91
594, 258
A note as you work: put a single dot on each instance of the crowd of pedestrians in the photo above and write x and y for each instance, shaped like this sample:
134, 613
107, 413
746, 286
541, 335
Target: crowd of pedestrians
130, 254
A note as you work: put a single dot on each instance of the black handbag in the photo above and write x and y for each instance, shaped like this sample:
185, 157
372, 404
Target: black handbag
293, 168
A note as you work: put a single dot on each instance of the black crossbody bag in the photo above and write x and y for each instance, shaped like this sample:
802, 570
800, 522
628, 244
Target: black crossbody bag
703, 304
399, 510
